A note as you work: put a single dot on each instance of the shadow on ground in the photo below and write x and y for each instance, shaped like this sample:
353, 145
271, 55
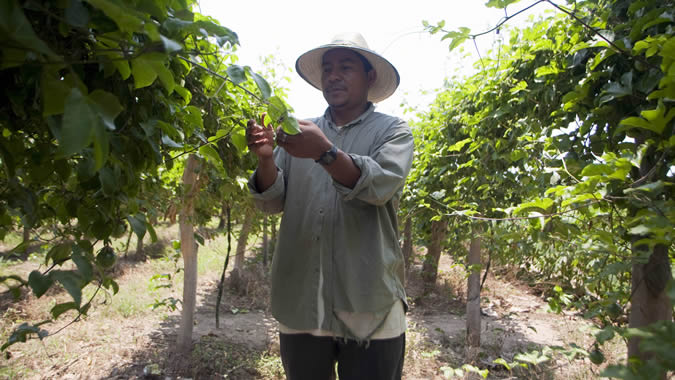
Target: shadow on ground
437, 333
243, 346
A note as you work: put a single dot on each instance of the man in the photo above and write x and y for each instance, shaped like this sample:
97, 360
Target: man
337, 274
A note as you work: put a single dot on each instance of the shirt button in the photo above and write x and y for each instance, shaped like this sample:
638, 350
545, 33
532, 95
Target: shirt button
320, 211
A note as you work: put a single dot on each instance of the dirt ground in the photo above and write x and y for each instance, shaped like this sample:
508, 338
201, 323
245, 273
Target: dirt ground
245, 344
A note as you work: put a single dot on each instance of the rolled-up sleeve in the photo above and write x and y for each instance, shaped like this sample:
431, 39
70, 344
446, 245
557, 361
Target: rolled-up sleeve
271, 200
383, 173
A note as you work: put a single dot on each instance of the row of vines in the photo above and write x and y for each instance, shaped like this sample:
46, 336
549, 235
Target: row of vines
102, 103
559, 155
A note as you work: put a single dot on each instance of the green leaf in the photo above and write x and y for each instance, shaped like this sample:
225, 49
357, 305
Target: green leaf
199, 238
236, 73
503, 362
617, 372
456, 38
470, 368
79, 120
109, 283
534, 357
262, 84
59, 253
101, 146
151, 231
193, 116
108, 107
640, 229
21, 333
123, 68
239, 139
83, 122
290, 126
637, 122
77, 14
15, 27
84, 266
456, 147
276, 110
61, 308
71, 281
165, 75
170, 46
652, 187
137, 223
109, 182
500, 3
596, 170
605, 334
184, 93
211, 154
55, 91
542, 205
600, 57
166, 140
39, 283
580, 199
144, 74
123, 16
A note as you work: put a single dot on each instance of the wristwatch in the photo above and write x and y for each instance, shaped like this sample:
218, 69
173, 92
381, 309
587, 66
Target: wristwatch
328, 156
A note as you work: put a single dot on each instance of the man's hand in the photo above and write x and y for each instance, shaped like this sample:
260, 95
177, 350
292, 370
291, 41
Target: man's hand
260, 139
311, 143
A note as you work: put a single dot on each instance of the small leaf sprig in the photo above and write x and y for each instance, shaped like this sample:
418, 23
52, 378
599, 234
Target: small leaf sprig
277, 111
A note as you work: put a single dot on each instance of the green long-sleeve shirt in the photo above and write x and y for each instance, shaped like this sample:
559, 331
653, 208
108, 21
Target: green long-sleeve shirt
338, 248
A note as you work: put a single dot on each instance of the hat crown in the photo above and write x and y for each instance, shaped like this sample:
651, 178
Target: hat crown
308, 65
350, 39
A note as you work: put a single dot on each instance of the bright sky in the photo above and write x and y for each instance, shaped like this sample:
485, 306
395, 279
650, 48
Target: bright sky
392, 28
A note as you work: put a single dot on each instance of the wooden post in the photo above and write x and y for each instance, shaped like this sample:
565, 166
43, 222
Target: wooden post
650, 302
189, 251
236, 276
433, 256
26, 233
473, 298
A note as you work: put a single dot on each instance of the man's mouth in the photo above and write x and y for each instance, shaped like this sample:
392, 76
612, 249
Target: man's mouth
334, 89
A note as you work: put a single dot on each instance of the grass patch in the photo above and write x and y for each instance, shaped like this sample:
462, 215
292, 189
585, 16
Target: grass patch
214, 358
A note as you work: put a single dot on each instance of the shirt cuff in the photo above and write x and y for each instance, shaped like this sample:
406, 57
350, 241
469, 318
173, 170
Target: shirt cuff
273, 192
345, 191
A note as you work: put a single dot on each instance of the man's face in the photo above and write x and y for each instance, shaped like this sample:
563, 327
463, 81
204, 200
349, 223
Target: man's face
344, 80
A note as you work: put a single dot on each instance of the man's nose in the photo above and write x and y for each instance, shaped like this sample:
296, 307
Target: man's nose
332, 75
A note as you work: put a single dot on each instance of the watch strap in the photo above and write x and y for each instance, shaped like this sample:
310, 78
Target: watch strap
328, 156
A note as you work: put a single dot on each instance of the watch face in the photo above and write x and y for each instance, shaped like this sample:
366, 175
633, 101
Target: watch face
328, 157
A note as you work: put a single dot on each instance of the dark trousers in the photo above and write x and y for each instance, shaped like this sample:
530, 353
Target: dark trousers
305, 356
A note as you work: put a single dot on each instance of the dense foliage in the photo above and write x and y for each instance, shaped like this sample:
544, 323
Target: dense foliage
564, 141
101, 100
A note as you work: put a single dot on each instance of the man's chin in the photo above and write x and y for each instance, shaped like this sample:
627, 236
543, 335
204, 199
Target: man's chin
335, 102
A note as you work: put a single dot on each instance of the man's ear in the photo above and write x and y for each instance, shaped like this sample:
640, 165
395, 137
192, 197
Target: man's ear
372, 76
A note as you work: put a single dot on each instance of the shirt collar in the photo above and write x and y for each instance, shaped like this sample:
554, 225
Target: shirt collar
358, 120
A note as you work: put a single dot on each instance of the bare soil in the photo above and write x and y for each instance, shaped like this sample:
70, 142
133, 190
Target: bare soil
141, 345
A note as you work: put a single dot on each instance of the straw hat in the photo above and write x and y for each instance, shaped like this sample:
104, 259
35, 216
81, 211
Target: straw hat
308, 65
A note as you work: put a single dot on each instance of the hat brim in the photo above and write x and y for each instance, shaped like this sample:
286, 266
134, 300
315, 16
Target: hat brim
308, 67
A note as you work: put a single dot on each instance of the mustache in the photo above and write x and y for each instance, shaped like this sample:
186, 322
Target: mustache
335, 87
